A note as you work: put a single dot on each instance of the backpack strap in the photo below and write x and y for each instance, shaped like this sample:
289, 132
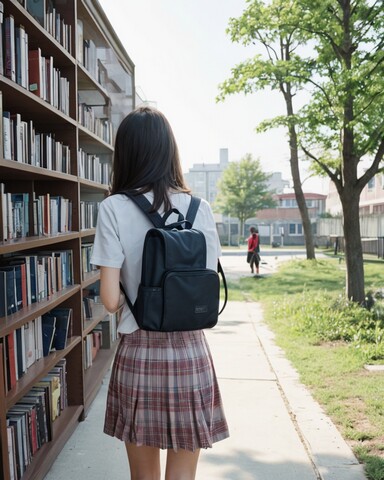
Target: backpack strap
221, 271
145, 205
160, 221
192, 209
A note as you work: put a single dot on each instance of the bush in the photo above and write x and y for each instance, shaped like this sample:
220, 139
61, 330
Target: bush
322, 317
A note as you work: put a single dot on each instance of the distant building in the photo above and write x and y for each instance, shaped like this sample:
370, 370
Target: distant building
276, 183
371, 198
203, 178
282, 224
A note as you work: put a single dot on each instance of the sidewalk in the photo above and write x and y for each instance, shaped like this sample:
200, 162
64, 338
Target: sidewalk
278, 432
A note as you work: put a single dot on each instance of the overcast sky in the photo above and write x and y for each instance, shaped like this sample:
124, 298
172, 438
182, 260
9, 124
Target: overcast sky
181, 54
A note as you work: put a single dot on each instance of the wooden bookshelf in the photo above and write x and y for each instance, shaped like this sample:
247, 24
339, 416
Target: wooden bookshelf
48, 203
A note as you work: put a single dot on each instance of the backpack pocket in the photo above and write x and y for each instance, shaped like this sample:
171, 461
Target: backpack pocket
191, 300
149, 308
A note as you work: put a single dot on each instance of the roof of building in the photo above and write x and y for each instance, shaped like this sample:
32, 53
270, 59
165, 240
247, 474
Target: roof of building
307, 196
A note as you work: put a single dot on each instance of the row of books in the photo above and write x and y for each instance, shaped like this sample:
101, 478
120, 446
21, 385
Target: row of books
46, 82
102, 127
86, 252
88, 214
92, 168
29, 421
14, 214
30, 69
92, 344
86, 51
27, 279
101, 337
22, 143
48, 16
51, 214
34, 340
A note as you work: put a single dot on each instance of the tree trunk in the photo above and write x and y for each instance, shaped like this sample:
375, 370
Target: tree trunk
355, 289
295, 171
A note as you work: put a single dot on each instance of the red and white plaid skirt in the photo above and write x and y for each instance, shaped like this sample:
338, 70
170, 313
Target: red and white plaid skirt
164, 393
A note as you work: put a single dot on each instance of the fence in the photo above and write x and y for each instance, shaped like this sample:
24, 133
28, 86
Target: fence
371, 229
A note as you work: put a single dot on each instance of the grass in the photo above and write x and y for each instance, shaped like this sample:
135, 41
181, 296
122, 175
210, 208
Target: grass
329, 342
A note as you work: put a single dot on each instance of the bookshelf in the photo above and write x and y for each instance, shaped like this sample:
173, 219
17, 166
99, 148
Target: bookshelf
66, 82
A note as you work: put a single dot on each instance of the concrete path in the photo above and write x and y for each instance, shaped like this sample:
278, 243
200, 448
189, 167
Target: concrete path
278, 432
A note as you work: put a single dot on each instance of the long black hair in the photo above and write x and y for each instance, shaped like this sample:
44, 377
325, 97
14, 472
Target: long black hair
146, 157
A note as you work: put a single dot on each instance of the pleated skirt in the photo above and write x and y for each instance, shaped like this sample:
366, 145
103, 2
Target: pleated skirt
163, 392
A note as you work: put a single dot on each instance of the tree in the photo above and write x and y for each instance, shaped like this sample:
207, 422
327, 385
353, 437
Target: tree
341, 129
270, 26
243, 190
343, 125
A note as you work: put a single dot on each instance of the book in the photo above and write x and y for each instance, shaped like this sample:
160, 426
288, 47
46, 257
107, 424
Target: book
10, 59
1, 39
35, 65
30, 343
36, 398
11, 360
37, 9
4, 208
8, 274
42, 390
3, 294
7, 150
48, 329
52, 384
63, 322
17, 422
80, 41
11, 451
20, 352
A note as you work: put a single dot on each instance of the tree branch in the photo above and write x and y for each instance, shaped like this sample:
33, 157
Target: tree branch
327, 170
372, 170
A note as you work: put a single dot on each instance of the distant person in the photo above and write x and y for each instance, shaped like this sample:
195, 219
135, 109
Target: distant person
163, 392
253, 254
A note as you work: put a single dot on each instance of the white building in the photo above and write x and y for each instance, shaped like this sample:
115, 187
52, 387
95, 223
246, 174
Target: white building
203, 178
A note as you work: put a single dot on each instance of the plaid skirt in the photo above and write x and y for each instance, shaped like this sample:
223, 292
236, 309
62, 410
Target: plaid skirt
163, 392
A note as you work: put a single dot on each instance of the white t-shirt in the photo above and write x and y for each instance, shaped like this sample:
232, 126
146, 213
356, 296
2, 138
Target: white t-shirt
119, 240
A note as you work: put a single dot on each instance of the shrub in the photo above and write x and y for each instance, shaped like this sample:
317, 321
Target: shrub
322, 317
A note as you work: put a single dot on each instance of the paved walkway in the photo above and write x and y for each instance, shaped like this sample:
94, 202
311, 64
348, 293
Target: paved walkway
278, 432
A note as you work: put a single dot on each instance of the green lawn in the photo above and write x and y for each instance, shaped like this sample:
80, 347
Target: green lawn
312, 323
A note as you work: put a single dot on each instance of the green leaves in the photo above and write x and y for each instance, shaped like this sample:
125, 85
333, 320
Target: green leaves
243, 189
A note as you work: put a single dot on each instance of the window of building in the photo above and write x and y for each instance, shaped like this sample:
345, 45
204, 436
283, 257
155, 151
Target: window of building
295, 229
371, 183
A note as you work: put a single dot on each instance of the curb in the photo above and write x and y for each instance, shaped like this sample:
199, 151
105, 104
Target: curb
329, 453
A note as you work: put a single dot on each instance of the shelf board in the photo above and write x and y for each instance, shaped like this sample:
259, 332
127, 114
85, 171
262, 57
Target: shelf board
90, 142
89, 278
63, 427
38, 370
92, 187
91, 323
12, 170
87, 232
94, 375
85, 81
42, 113
16, 320
27, 243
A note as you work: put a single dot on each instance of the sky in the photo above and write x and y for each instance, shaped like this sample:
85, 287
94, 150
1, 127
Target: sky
182, 53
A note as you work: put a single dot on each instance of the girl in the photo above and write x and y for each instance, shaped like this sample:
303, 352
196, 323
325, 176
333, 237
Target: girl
163, 392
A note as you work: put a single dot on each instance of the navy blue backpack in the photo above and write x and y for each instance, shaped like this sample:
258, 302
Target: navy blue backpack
177, 292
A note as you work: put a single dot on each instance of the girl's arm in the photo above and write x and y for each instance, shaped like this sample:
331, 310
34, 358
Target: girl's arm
110, 288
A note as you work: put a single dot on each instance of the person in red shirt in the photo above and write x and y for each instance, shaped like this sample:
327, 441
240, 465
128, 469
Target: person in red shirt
253, 257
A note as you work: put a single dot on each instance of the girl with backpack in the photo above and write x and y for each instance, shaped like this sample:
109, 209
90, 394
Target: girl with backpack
163, 391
